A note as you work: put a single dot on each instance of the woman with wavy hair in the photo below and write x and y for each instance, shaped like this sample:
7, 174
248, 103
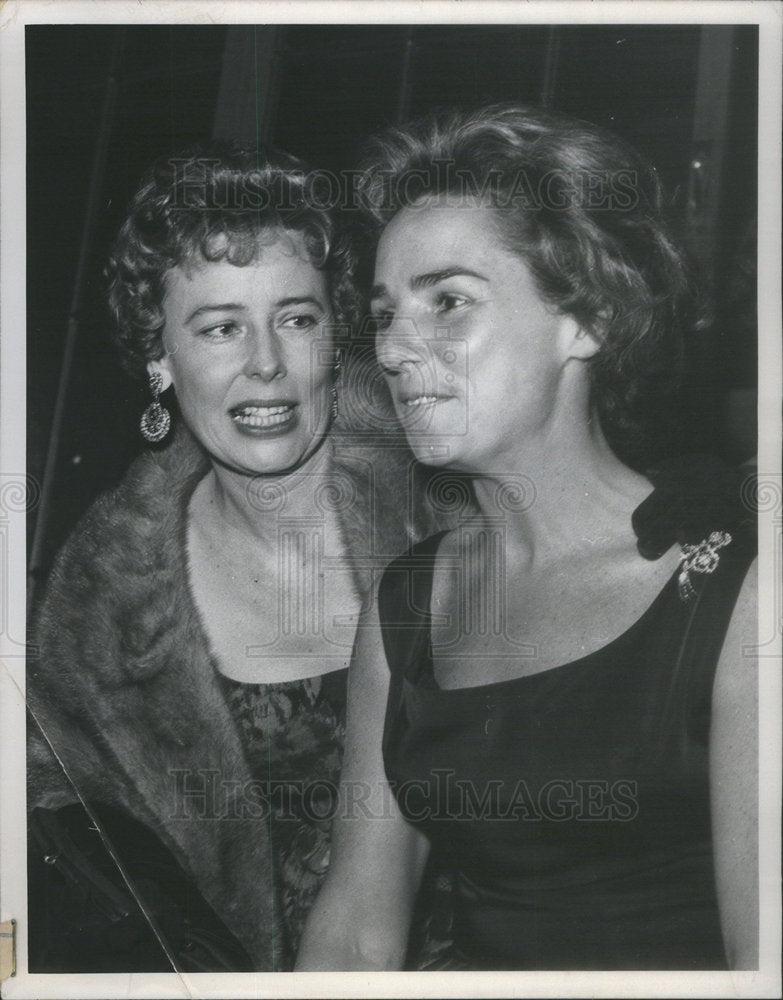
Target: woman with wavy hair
556, 695
188, 687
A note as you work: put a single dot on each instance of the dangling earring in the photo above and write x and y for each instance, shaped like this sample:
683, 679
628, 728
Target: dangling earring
335, 400
156, 419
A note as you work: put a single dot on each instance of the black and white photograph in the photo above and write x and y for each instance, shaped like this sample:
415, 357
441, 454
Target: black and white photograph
390, 499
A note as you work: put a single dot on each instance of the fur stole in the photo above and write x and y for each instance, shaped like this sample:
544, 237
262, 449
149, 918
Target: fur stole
125, 703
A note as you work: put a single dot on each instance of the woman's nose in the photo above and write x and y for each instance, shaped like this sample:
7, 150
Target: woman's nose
402, 346
264, 358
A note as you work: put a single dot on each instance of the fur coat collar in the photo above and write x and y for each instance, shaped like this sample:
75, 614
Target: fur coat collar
122, 689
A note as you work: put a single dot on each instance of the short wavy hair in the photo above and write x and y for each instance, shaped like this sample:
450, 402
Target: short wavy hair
216, 201
585, 213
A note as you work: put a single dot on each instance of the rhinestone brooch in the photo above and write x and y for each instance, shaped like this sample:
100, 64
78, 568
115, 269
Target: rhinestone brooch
700, 558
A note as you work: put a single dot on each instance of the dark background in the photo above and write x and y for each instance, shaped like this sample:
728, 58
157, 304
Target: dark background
104, 101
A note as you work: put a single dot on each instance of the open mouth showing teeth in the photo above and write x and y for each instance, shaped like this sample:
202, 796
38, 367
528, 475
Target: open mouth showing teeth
262, 416
425, 400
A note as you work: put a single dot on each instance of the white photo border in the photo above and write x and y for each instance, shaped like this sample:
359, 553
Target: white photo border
15, 15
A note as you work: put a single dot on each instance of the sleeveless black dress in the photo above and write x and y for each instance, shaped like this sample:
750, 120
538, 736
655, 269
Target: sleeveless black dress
573, 804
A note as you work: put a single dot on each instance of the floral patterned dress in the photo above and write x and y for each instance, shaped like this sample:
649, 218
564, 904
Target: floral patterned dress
293, 733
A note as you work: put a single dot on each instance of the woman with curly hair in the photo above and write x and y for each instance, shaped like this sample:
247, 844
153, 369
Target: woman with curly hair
562, 681
188, 687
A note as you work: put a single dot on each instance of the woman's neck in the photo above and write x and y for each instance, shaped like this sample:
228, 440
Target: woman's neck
562, 491
252, 505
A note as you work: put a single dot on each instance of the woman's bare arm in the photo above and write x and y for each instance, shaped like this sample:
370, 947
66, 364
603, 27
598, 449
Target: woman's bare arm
734, 786
362, 915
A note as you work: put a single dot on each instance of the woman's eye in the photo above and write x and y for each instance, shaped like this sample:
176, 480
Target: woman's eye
446, 301
220, 331
300, 321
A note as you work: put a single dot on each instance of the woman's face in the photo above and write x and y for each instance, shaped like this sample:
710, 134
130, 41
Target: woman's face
249, 352
472, 354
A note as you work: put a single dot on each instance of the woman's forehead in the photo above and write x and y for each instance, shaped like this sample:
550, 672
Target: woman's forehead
279, 265
440, 231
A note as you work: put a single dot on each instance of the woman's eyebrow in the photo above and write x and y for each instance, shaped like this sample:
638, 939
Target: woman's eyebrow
293, 300
430, 278
298, 300
218, 307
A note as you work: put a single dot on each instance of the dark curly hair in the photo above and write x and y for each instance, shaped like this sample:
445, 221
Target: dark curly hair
585, 213
215, 201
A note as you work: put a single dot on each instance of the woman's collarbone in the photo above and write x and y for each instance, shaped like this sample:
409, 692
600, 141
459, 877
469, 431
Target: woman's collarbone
487, 629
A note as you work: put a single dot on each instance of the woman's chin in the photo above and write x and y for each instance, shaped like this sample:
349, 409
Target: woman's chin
263, 457
260, 451
438, 451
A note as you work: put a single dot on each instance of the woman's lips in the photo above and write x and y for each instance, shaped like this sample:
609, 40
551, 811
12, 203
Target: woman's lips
416, 402
263, 419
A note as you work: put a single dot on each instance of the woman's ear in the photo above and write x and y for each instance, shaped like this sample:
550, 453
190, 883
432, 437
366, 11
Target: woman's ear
576, 341
163, 368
